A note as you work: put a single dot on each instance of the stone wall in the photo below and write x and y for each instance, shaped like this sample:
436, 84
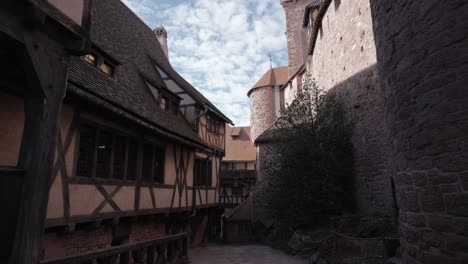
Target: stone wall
262, 192
262, 110
296, 35
344, 62
57, 245
422, 54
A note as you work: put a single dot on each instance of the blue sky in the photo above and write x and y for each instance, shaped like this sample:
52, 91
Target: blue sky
220, 46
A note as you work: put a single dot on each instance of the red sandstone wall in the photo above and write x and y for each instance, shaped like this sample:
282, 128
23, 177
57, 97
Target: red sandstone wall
262, 110
146, 230
296, 35
67, 244
422, 54
344, 62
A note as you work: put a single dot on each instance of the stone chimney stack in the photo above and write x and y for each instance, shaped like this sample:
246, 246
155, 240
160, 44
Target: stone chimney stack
161, 35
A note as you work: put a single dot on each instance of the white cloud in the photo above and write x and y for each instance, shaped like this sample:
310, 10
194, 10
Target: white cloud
220, 46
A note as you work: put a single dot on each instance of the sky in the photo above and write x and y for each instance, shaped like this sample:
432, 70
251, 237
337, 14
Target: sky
221, 47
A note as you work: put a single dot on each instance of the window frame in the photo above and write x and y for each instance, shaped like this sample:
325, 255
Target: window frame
171, 102
99, 60
114, 133
213, 125
153, 178
205, 181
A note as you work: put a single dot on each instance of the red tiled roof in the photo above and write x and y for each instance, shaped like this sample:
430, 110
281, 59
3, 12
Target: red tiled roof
239, 145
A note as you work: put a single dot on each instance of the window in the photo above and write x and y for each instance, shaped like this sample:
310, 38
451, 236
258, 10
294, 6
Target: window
90, 58
107, 68
174, 108
132, 160
202, 172
100, 63
105, 154
153, 163
86, 151
212, 124
163, 103
165, 100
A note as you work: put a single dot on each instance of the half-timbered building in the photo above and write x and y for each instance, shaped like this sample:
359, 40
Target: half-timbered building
238, 167
136, 170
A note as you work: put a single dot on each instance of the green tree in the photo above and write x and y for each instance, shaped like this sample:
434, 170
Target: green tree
310, 175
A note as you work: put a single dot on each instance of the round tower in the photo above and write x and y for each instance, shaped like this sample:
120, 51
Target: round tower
266, 100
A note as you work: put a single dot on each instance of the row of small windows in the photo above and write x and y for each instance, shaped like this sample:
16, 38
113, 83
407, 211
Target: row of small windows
100, 63
108, 155
249, 165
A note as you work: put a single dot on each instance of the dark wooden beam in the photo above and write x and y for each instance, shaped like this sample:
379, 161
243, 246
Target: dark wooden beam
46, 64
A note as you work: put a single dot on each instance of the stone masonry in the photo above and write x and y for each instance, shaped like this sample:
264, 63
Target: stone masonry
262, 113
344, 62
422, 54
295, 34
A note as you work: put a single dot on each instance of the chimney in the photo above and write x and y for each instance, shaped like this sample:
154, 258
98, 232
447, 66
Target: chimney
161, 35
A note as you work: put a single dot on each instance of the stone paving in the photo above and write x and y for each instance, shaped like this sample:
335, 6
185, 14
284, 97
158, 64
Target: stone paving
240, 254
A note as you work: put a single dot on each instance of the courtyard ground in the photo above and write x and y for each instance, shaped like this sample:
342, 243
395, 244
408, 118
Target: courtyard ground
240, 254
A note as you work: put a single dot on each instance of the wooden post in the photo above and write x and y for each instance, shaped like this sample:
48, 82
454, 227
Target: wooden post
46, 67
185, 247
150, 256
161, 257
125, 258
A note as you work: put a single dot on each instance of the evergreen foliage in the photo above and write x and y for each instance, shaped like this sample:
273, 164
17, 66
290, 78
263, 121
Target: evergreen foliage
310, 173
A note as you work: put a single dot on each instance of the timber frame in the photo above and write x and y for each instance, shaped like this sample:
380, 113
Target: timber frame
44, 40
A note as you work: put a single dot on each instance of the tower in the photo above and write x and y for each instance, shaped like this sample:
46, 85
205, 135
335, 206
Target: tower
296, 35
266, 100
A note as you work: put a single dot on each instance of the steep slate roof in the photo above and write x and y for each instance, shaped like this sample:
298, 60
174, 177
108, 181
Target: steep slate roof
240, 149
120, 34
273, 77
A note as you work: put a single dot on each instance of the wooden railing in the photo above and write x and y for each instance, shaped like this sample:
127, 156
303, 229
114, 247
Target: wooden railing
232, 200
238, 174
170, 249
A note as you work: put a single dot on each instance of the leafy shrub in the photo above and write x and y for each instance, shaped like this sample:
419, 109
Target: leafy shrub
309, 178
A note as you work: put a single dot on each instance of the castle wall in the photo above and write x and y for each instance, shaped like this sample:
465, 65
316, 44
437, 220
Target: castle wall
344, 62
422, 54
296, 35
262, 110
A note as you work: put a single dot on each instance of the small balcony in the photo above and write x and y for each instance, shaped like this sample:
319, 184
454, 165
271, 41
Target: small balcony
238, 174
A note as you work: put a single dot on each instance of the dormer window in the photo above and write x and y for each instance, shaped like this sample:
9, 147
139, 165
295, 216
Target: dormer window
107, 68
165, 99
163, 104
90, 58
99, 62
